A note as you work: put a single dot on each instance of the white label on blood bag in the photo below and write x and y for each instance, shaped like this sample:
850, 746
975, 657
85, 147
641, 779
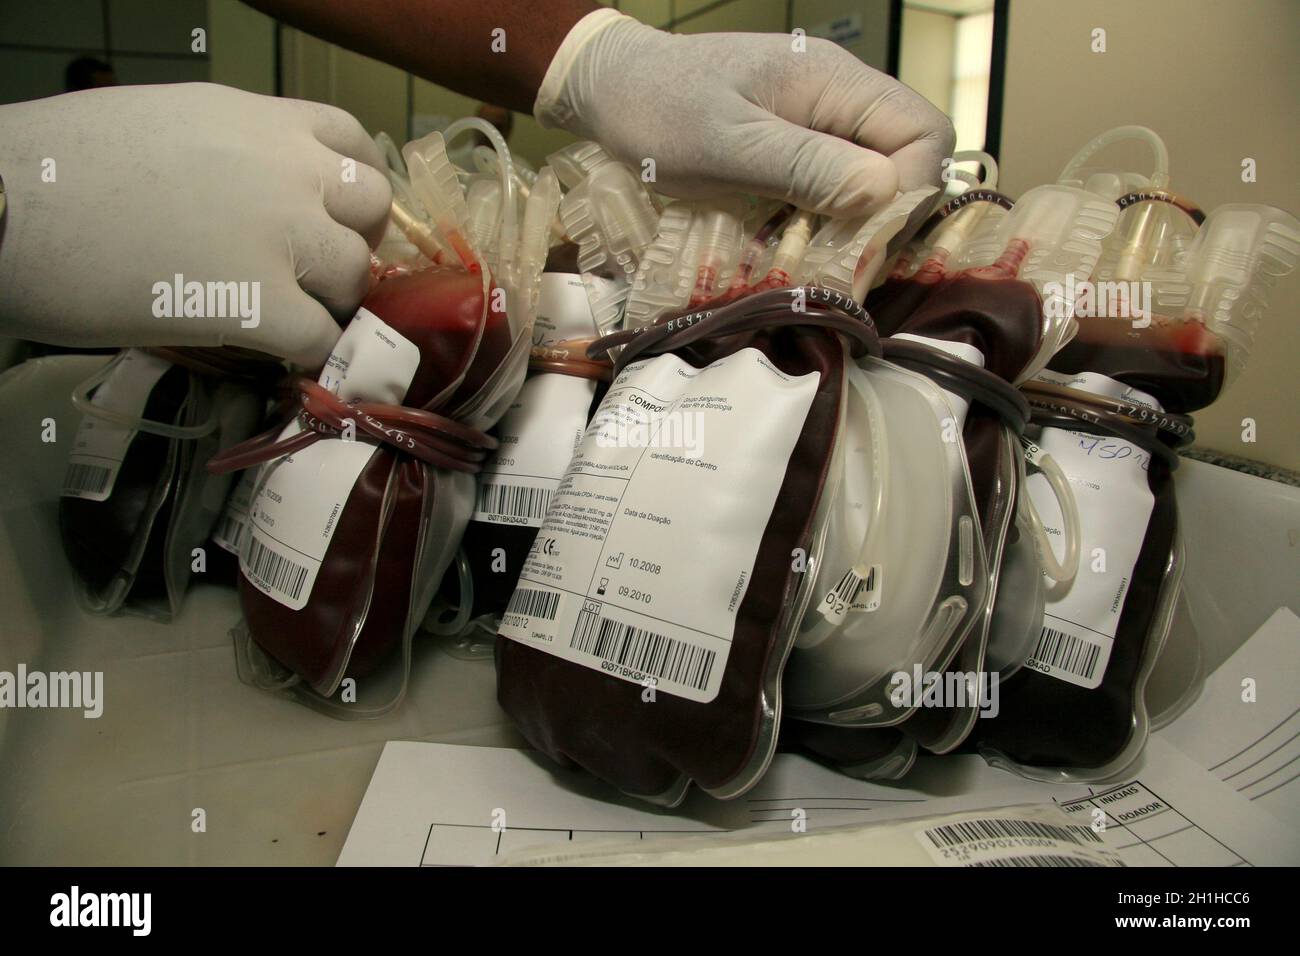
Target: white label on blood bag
100, 446
297, 508
563, 310
538, 437
649, 545
1109, 479
967, 353
1014, 840
232, 527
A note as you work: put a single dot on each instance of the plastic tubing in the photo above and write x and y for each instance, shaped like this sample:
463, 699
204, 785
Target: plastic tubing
1178, 426
392, 155
772, 308
569, 357
950, 225
418, 232
465, 577
754, 248
862, 337
967, 380
225, 361
1055, 413
509, 232
1140, 225
790, 250
876, 506
1160, 174
947, 231
990, 166
1063, 571
432, 438
485, 161
1181, 203
82, 403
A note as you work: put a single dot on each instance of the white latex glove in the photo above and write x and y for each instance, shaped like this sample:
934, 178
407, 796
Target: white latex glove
204, 181
744, 112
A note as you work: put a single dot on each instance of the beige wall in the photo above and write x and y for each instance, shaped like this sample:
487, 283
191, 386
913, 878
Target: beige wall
1219, 82
241, 46
873, 46
926, 61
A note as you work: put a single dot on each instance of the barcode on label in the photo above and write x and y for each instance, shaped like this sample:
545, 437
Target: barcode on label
513, 501
529, 602
974, 831
86, 479
1076, 657
273, 570
1040, 859
655, 655
230, 532
853, 593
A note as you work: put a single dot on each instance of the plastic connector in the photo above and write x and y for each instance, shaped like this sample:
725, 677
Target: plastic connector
577, 161
535, 235
1241, 250
846, 257
720, 234
792, 248
654, 289
1060, 230
483, 202
436, 185
609, 216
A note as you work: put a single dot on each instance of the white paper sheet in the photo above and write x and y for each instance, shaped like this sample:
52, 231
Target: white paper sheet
437, 805
1252, 745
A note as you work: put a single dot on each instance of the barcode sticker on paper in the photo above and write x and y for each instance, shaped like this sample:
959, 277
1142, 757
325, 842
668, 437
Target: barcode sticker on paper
852, 593
230, 531
529, 602
643, 655
512, 501
1036, 860
275, 572
100, 446
1023, 840
232, 526
82, 480
1071, 653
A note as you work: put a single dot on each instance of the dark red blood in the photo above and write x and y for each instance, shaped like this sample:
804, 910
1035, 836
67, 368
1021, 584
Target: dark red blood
438, 309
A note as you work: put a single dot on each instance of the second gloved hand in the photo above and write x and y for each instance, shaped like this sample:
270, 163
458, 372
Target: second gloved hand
113, 192
787, 117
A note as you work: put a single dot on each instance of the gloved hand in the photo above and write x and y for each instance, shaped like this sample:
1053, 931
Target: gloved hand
116, 190
740, 112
